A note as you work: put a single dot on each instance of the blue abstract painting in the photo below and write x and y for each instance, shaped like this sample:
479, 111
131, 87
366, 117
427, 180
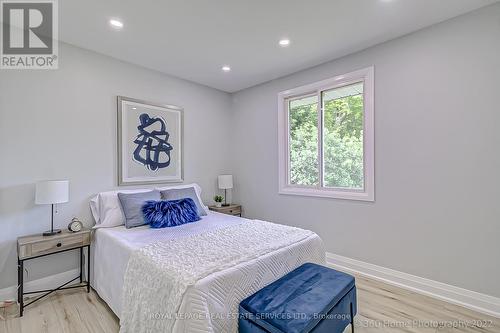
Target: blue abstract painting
152, 146
150, 142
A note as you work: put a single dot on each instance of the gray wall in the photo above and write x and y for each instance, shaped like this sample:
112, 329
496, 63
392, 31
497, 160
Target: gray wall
436, 213
62, 124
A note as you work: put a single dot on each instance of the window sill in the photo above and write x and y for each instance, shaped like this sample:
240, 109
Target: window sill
326, 193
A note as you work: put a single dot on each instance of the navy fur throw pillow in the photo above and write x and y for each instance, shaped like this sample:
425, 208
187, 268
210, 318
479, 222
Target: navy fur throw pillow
170, 213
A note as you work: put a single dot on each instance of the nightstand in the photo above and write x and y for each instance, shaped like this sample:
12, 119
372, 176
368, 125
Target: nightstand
36, 246
230, 210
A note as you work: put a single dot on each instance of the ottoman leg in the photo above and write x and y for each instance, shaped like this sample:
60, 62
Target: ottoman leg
352, 319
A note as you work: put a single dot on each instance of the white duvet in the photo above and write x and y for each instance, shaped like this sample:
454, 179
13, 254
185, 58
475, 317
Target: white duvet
180, 280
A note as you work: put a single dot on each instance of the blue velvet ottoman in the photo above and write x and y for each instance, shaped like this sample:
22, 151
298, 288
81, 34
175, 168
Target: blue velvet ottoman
311, 298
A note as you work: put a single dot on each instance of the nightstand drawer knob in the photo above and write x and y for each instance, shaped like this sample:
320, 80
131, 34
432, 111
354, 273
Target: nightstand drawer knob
59, 244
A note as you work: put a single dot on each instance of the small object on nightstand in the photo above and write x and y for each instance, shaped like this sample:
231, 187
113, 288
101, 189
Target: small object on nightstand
218, 201
36, 246
230, 209
75, 225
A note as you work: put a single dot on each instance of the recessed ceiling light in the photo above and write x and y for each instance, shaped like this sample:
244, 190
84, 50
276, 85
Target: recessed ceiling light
116, 23
226, 68
284, 42
134, 108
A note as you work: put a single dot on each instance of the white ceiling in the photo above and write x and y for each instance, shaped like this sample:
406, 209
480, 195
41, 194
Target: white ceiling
192, 39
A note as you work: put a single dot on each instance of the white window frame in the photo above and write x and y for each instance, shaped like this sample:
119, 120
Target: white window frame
366, 76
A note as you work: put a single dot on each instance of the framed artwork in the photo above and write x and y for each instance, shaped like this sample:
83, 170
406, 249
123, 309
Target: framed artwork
150, 147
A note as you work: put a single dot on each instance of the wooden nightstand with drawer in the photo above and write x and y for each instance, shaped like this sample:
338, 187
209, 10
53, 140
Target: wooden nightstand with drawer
36, 246
230, 210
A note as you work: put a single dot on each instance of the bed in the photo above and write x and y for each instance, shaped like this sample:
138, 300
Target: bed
151, 287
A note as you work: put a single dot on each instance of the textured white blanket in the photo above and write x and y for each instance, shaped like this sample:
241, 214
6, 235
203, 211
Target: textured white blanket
159, 274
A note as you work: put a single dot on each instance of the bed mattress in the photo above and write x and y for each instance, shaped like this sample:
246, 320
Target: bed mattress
211, 304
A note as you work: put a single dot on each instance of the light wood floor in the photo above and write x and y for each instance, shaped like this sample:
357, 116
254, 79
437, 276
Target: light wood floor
381, 308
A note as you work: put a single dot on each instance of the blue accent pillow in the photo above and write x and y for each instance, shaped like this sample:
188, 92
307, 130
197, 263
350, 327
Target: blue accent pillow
170, 213
131, 205
180, 193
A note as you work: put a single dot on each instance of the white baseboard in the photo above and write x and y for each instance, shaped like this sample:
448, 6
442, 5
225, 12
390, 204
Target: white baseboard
48, 282
469, 299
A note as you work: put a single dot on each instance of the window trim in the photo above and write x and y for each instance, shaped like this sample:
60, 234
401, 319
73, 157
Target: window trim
366, 76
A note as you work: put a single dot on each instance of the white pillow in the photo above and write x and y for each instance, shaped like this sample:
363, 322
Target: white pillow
107, 210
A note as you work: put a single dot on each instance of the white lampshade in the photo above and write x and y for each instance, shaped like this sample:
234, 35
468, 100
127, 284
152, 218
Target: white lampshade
225, 182
52, 192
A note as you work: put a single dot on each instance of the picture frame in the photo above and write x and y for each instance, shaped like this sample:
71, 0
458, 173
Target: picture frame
150, 142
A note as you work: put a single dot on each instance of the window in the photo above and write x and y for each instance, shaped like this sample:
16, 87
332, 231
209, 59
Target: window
326, 138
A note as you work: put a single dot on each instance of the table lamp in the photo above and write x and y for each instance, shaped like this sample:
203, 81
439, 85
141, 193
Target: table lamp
52, 192
225, 183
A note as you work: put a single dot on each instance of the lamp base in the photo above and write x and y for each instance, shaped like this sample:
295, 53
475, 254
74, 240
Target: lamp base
226, 204
51, 232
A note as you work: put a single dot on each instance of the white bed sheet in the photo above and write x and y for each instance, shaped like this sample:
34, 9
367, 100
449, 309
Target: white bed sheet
217, 294
112, 248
